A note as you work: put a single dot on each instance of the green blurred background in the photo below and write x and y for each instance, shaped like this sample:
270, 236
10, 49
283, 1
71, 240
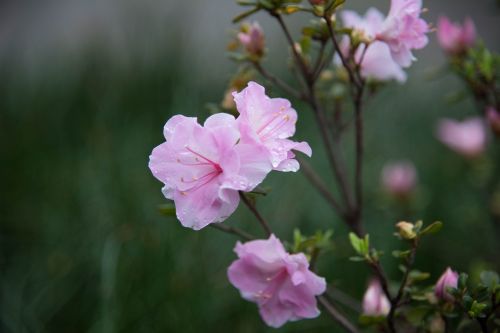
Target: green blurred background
85, 88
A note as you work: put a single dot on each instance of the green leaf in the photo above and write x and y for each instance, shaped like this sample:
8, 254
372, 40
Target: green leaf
401, 254
416, 275
266, 4
357, 259
432, 228
476, 309
245, 14
462, 280
167, 209
490, 280
355, 242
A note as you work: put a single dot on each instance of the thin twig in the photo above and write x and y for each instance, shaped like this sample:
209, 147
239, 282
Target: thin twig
337, 316
233, 230
346, 65
319, 184
255, 212
277, 81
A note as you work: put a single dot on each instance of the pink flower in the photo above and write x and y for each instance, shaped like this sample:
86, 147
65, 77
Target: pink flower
203, 168
377, 62
399, 178
252, 39
269, 122
493, 118
375, 303
449, 279
280, 283
455, 38
403, 30
467, 138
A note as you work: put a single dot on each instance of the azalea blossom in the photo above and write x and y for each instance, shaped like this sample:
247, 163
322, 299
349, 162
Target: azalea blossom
403, 30
203, 168
449, 279
399, 178
455, 38
375, 302
376, 62
269, 122
280, 283
467, 138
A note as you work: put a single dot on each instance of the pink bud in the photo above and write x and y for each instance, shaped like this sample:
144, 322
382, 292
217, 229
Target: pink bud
252, 38
399, 179
316, 2
467, 138
449, 279
493, 117
375, 303
455, 38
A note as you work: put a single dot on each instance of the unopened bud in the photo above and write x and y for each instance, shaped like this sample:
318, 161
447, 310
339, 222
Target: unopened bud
317, 2
405, 230
449, 279
375, 303
252, 38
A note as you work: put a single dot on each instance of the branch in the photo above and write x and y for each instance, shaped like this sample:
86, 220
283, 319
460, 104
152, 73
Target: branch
255, 212
276, 81
337, 316
233, 230
336, 45
319, 184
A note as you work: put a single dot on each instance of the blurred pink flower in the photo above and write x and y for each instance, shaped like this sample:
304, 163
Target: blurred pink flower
377, 62
449, 279
493, 117
399, 178
375, 303
203, 169
467, 138
455, 38
280, 283
253, 39
403, 30
269, 122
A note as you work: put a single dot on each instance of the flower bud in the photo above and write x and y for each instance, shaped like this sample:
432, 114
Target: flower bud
375, 303
405, 230
493, 117
317, 2
455, 38
449, 279
399, 179
252, 38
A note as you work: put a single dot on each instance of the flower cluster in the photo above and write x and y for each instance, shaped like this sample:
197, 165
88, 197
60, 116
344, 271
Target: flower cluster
387, 41
280, 283
204, 167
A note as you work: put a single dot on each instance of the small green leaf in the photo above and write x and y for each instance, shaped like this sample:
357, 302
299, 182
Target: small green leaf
401, 254
432, 228
246, 14
416, 275
355, 242
490, 280
462, 280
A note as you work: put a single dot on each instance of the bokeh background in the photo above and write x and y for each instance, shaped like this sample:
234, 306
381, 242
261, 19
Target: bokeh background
85, 88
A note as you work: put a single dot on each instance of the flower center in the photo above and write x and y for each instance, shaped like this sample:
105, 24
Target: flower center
201, 161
